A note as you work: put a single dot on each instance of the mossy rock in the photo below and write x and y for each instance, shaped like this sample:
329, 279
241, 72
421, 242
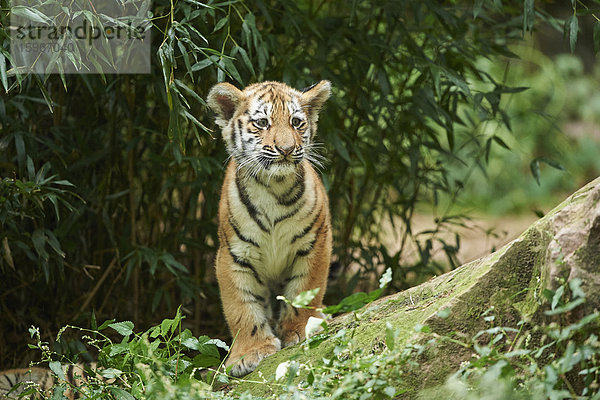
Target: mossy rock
560, 246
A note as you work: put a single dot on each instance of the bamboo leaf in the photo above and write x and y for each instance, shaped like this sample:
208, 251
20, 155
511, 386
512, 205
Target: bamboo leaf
38, 238
222, 22
571, 30
500, 142
3, 76
534, 166
596, 37
528, 15
31, 14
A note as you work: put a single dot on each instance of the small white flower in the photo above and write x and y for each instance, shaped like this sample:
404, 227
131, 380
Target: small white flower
282, 370
385, 278
313, 325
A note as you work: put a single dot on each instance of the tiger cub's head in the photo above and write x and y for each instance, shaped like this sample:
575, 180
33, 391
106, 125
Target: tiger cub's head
268, 127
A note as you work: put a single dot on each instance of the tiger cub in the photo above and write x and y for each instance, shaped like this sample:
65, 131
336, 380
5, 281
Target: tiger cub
274, 224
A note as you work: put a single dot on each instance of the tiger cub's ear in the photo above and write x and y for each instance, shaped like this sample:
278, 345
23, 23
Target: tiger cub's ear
313, 98
223, 99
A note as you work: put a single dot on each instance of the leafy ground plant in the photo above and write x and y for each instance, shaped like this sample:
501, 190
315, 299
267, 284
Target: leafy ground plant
162, 362
556, 359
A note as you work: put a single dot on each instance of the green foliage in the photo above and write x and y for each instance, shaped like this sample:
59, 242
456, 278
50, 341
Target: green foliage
559, 358
359, 299
556, 359
553, 133
135, 234
165, 358
36, 201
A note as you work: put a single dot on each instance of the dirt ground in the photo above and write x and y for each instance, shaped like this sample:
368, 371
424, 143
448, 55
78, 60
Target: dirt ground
475, 243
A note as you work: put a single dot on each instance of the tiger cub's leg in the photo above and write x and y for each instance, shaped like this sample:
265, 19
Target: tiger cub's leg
245, 306
307, 274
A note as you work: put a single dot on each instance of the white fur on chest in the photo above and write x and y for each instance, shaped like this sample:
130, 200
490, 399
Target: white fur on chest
276, 250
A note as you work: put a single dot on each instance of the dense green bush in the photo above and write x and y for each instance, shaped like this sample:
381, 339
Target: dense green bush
127, 224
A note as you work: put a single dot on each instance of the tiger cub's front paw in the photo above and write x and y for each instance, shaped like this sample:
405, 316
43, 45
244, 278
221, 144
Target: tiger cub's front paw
294, 330
245, 359
292, 337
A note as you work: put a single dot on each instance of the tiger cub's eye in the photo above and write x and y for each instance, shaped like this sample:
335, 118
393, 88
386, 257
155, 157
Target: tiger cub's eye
261, 123
296, 122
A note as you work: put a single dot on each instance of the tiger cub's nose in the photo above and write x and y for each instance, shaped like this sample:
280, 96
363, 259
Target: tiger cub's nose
285, 149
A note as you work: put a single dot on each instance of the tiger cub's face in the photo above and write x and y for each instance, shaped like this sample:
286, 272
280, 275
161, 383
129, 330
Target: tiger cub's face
268, 127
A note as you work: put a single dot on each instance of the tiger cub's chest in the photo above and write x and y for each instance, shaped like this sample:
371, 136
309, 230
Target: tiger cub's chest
272, 220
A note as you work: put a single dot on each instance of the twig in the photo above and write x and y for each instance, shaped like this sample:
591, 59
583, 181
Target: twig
95, 289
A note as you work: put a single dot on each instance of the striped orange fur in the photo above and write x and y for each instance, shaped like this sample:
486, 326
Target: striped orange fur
274, 223
13, 382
